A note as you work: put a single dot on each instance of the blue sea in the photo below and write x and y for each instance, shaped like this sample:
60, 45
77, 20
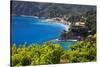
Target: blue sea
27, 30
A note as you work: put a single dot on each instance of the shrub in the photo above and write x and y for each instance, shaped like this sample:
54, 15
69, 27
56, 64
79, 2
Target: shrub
16, 59
48, 53
84, 51
26, 60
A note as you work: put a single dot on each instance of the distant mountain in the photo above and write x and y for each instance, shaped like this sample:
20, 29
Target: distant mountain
48, 10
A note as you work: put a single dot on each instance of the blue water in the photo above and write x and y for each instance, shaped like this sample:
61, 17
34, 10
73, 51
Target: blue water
32, 30
66, 44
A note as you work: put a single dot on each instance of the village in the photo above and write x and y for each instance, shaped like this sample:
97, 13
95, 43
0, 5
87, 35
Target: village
77, 27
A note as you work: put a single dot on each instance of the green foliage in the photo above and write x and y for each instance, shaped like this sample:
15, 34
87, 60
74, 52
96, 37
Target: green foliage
14, 49
16, 59
48, 53
26, 60
82, 51
91, 21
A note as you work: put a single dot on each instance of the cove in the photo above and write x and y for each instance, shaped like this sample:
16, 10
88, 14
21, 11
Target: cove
33, 30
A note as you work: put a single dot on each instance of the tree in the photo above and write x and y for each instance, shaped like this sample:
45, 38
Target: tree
82, 51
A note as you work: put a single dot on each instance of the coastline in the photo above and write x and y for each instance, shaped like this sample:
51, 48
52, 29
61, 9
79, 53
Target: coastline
50, 20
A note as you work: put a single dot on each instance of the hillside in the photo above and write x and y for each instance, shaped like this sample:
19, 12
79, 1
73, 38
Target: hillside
48, 10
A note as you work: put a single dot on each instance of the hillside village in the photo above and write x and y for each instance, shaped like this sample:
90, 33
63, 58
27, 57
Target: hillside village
78, 27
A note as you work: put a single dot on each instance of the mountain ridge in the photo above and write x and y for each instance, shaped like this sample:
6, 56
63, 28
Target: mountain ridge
48, 10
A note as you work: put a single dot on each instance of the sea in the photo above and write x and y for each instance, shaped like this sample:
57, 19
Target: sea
30, 30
